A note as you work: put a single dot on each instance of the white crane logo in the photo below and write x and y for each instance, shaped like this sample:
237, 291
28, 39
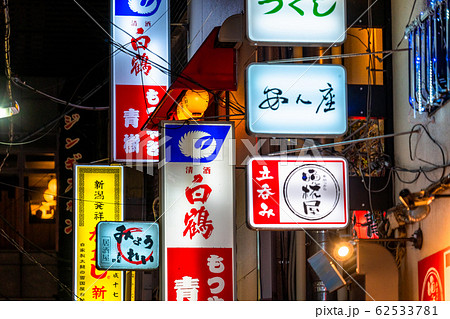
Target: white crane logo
197, 145
144, 6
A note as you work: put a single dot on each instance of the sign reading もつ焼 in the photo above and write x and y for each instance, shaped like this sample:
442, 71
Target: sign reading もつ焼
140, 69
297, 193
305, 22
197, 204
98, 196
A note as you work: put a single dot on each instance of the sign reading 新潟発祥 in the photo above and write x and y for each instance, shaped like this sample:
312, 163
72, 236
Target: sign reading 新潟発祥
301, 22
296, 100
297, 193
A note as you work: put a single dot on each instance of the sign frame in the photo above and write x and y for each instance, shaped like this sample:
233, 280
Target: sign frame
292, 220
258, 115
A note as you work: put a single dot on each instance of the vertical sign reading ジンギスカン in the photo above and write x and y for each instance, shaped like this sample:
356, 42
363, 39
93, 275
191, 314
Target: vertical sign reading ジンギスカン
197, 211
139, 74
98, 196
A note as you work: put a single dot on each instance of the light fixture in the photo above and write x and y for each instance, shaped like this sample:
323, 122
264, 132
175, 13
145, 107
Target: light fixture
343, 250
196, 102
9, 110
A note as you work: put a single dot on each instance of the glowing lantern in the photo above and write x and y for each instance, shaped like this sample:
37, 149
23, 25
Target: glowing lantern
196, 102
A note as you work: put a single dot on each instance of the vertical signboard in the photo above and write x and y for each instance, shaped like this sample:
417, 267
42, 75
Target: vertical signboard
305, 22
140, 75
197, 189
434, 277
297, 193
98, 197
296, 100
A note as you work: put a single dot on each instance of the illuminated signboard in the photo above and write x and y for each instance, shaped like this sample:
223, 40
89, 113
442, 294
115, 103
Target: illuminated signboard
297, 193
306, 22
434, 276
197, 202
98, 196
292, 100
127, 245
139, 74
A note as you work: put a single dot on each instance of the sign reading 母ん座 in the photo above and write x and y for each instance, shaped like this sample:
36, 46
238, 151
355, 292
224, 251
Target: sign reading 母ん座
296, 100
434, 276
127, 245
297, 193
98, 196
297, 22
197, 205
139, 75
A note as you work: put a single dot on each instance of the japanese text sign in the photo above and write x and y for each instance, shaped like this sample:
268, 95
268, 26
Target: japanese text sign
297, 193
98, 196
127, 245
300, 22
296, 100
197, 204
434, 276
139, 73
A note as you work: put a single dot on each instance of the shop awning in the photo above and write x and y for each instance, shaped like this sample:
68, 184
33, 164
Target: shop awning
213, 67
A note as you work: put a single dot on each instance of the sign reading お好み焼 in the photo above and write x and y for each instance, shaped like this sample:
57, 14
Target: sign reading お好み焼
98, 196
297, 193
197, 202
300, 22
292, 100
139, 74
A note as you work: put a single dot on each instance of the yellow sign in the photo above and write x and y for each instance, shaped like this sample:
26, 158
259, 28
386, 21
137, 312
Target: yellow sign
98, 197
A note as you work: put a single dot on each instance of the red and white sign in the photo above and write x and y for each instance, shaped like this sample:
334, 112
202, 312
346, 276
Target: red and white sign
197, 219
139, 75
297, 193
434, 276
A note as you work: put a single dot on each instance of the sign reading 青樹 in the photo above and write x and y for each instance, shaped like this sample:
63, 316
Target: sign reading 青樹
127, 245
293, 100
296, 22
297, 193
197, 204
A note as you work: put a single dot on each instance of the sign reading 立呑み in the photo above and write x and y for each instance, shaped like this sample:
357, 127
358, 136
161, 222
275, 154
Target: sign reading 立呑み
139, 73
197, 205
297, 193
292, 100
98, 196
127, 245
300, 22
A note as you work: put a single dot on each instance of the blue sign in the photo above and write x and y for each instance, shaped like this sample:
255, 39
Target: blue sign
140, 8
194, 143
127, 245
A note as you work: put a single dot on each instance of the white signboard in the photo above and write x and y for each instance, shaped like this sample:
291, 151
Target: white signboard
296, 100
297, 193
140, 68
197, 211
300, 22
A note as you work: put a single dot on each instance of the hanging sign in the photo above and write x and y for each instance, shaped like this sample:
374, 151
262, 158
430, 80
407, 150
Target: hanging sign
297, 193
140, 78
98, 196
298, 22
434, 277
293, 100
127, 245
197, 207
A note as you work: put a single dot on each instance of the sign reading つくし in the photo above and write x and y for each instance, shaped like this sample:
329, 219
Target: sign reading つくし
301, 22
98, 196
297, 193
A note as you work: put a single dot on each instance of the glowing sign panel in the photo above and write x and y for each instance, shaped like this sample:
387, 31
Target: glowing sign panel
296, 100
305, 22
